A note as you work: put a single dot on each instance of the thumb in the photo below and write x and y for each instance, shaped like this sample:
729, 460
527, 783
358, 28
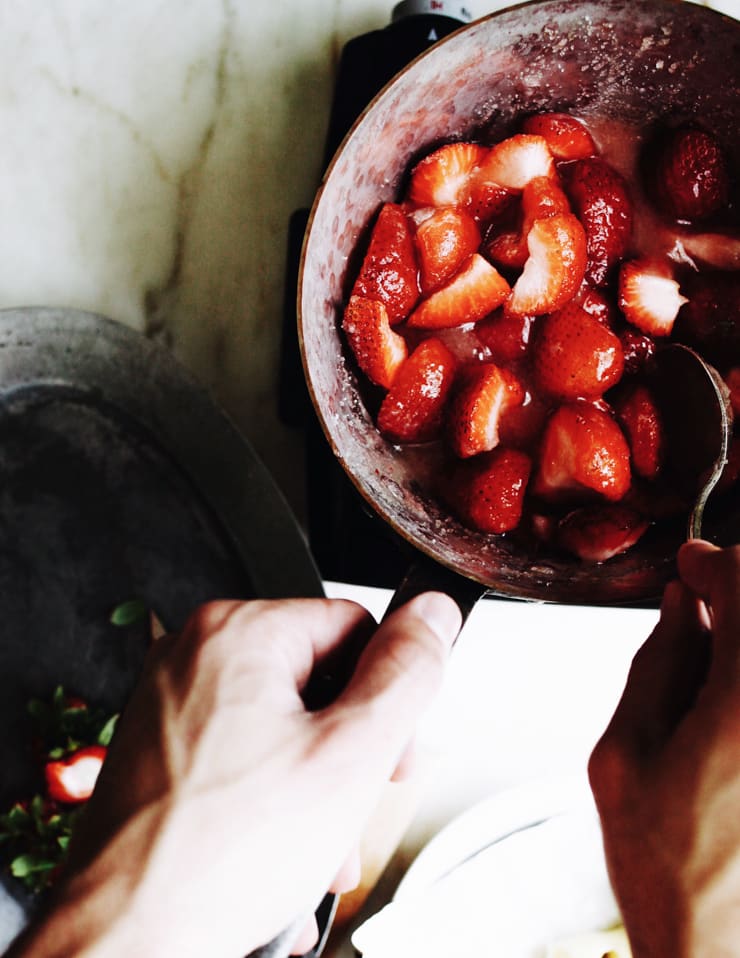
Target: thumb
397, 675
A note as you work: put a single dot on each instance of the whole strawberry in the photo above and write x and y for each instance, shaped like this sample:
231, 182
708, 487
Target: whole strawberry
691, 178
601, 200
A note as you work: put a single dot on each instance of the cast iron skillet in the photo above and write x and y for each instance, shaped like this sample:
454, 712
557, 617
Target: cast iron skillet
119, 479
641, 61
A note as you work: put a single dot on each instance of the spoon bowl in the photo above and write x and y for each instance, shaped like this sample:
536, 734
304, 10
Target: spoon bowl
697, 417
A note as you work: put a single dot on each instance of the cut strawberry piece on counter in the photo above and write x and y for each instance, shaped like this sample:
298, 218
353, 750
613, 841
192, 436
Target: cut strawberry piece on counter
583, 450
488, 492
601, 200
567, 137
445, 240
575, 356
72, 779
378, 349
555, 267
541, 197
505, 335
690, 174
649, 296
515, 161
389, 271
443, 177
474, 292
412, 409
485, 393
642, 423
597, 533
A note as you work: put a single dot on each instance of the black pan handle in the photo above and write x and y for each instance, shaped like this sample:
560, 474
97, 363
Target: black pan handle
426, 575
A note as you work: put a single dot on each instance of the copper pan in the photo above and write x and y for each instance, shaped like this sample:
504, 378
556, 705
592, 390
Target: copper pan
638, 60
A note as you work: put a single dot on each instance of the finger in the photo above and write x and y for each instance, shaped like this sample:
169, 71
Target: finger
293, 634
406, 764
397, 676
665, 676
349, 875
714, 574
307, 937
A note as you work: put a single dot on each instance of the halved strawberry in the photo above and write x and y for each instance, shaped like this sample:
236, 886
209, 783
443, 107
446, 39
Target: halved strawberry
485, 200
583, 450
541, 197
642, 423
474, 292
71, 780
513, 162
487, 492
444, 240
555, 267
567, 137
412, 408
389, 272
575, 356
691, 178
486, 391
601, 201
597, 533
378, 349
442, 178
649, 296
505, 335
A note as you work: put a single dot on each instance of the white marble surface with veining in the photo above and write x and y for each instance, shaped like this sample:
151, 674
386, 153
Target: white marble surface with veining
152, 156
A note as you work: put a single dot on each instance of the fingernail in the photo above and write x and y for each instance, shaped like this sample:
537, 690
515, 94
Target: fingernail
441, 614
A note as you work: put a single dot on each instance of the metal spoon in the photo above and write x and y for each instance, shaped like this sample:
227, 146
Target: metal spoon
697, 418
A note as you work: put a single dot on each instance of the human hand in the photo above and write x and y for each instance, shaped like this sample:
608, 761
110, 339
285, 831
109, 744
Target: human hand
225, 809
666, 773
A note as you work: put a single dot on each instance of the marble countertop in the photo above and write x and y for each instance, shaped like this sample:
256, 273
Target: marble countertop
153, 155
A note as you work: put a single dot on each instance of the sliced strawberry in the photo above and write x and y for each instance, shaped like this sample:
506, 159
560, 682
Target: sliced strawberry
378, 349
600, 199
710, 321
597, 533
649, 296
443, 177
444, 239
412, 408
71, 780
505, 335
488, 492
567, 137
583, 450
541, 197
485, 394
642, 423
474, 292
389, 272
486, 200
515, 161
637, 347
690, 174
555, 267
575, 356
713, 250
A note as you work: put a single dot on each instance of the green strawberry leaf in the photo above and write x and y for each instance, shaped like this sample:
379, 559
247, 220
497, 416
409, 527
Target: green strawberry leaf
129, 613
